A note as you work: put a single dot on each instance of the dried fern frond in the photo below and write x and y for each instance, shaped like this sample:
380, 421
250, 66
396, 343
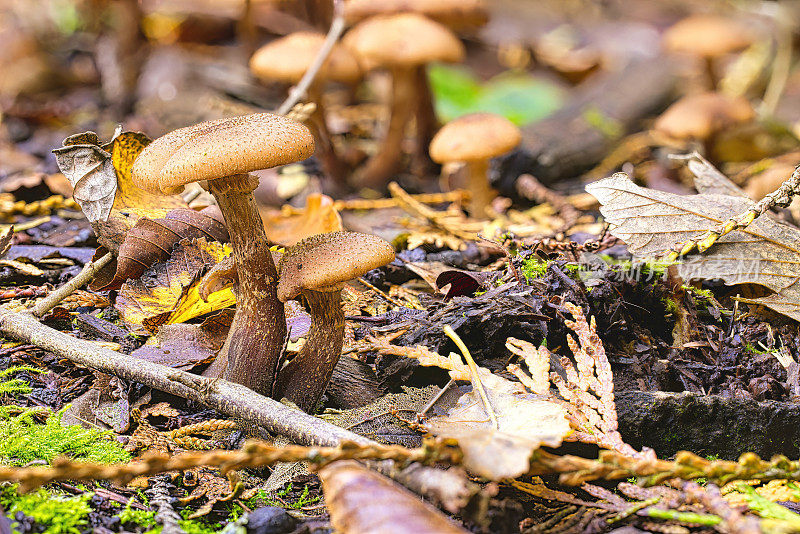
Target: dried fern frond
587, 391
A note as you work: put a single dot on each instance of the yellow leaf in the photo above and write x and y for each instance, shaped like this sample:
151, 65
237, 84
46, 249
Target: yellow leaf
167, 291
124, 150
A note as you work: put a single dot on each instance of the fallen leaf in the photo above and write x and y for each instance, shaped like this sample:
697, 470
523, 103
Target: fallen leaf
362, 501
525, 422
184, 346
89, 169
287, 227
152, 240
100, 177
653, 222
167, 293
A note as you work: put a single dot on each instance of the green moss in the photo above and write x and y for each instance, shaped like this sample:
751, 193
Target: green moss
57, 512
703, 294
16, 386
534, 267
142, 518
23, 440
263, 498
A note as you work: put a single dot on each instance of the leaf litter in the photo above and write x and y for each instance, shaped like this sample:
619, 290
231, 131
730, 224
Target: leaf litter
546, 302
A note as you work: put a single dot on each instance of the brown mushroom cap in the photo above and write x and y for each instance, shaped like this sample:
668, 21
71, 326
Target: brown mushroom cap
288, 58
325, 261
220, 148
474, 137
452, 13
707, 36
403, 40
703, 115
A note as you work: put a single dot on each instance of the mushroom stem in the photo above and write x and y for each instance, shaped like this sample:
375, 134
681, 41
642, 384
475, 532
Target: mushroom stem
333, 166
381, 166
481, 193
304, 379
251, 353
425, 117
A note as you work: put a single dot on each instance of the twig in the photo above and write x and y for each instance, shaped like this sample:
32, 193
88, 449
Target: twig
84, 277
335, 31
473, 371
781, 197
381, 294
252, 454
234, 400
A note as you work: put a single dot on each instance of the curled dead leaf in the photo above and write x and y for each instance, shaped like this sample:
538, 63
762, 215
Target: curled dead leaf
101, 181
152, 240
168, 293
362, 501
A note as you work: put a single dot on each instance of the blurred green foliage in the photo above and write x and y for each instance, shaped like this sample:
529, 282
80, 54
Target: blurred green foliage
518, 96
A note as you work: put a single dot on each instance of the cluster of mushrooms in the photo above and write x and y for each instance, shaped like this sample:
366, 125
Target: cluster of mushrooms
224, 152
400, 37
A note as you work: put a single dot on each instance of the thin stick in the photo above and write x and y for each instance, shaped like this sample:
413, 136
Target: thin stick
84, 277
335, 31
382, 294
781, 197
473, 371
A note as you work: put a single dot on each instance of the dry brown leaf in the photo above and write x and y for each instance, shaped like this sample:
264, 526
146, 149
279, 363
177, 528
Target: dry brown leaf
290, 226
101, 178
183, 346
652, 222
168, 292
362, 501
152, 240
207, 483
525, 423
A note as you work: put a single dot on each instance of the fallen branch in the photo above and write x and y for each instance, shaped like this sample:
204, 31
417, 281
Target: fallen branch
236, 401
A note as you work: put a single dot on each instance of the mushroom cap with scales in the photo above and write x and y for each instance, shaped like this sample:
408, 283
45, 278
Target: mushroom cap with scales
474, 137
287, 59
323, 262
220, 148
403, 40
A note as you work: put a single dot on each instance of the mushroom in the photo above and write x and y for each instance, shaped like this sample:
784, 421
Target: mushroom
455, 14
287, 59
475, 139
223, 152
708, 37
404, 44
317, 267
702, 117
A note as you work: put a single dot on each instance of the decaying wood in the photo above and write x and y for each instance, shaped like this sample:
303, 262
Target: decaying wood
707, 424
234, 400
579, 135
